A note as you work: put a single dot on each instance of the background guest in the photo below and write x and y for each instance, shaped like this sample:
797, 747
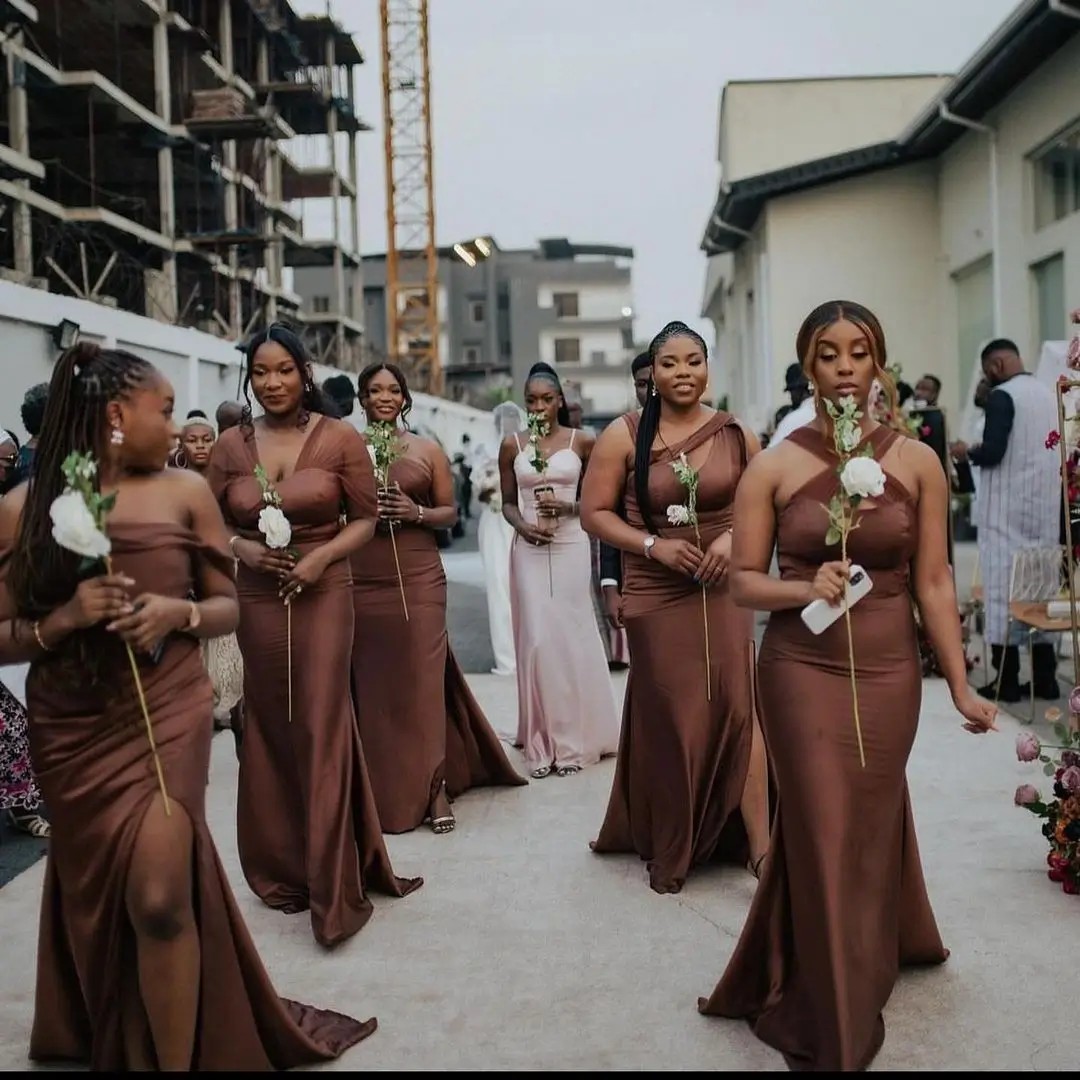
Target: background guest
33, 416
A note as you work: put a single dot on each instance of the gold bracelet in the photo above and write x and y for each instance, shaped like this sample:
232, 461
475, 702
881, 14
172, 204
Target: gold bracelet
36, 627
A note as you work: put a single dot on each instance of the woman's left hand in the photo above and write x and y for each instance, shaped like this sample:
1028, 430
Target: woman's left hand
978, 713
153, 619
714, 562
395, 506
303, 575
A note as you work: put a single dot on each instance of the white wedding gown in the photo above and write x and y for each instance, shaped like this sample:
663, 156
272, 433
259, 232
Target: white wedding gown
495, 534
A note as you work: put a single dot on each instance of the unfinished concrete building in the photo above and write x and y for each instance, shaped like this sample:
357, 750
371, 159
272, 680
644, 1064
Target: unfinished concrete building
163, 156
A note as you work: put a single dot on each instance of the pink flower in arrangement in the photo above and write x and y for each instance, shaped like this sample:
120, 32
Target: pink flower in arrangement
1074, 700
924, 431
1070, 779
1053, 439
1025, 795
1027, 746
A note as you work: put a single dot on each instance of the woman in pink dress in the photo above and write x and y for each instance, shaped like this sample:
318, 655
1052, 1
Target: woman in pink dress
566, 710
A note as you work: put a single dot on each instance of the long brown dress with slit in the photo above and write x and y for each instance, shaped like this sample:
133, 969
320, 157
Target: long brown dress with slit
307, 825
842, 901
419, 722
683, 759
92, 757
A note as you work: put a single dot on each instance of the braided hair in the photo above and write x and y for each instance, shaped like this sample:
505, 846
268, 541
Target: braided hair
42, 574
363, 380
545, 372
313, 400
649, 423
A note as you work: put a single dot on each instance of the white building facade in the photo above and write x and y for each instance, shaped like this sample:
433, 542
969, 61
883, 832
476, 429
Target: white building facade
955, 218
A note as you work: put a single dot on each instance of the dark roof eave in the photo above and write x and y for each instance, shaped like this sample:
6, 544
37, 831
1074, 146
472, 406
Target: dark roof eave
738, 206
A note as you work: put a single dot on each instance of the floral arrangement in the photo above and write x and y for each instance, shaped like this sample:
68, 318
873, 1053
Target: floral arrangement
78, 517
539, 428
902, 417
489, 487
385, 447
686, 514
861, 477
1061, 815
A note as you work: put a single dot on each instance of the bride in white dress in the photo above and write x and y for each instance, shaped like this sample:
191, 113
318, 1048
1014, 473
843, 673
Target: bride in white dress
495, 535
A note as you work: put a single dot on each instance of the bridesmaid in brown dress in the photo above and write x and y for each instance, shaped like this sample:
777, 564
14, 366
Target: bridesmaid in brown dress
424, 735
143, 959
691, 778
308, 828
842, 902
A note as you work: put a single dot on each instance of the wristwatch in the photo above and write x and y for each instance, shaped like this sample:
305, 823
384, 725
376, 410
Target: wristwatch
650, 542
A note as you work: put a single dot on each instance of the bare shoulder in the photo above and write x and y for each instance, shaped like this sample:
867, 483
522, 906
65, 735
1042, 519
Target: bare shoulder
753, 443
11, 510
918, 455
509, 447
188, 486
584, 441
617, 435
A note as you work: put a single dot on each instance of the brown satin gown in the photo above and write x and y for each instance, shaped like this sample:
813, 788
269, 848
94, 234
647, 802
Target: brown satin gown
307, 825
842, 901
683, 759
94, 765
419, 722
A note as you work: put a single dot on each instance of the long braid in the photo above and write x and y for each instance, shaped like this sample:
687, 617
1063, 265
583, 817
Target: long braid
649, 424
86, 378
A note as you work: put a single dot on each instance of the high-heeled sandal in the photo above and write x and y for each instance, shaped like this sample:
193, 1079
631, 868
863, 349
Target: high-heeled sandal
541, 772
30, 823
755, 867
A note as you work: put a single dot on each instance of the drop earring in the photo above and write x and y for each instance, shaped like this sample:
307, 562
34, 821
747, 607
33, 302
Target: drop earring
653, 390
116, 436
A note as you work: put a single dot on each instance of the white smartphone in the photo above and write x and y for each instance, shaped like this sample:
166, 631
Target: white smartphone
819, 615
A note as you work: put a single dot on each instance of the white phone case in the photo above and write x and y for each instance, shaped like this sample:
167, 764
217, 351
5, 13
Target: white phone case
819, 615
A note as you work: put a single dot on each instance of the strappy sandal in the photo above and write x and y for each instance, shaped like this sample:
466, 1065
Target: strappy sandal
32, 824
442, 825
567, 770
541, 772
755, 867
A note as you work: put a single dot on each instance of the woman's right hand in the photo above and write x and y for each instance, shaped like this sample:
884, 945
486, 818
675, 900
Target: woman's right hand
678, 555
534, 534
829, 582
261, 559
98, 599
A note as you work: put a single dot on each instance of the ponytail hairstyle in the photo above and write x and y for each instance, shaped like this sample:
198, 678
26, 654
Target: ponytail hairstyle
363, 380
43, 575
544, 371
649, 423
832, 312
313, 399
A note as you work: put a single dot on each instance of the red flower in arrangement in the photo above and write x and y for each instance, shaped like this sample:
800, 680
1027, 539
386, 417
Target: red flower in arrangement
1061, 814
1053, 439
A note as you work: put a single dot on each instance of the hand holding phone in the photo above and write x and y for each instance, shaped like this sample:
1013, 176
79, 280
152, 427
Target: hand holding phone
819, 615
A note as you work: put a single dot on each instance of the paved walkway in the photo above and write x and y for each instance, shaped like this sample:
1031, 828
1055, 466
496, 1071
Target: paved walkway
525, 951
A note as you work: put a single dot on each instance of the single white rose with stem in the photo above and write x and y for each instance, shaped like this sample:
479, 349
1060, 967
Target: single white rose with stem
538, 429
385, 448
686, 514
78, 515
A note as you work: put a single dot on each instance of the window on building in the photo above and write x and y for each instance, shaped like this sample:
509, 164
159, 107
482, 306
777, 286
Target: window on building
565, 304
1057, 179
974, 319
477, 310
472, 355
320, 305
567, 350
597, 356
1049, 276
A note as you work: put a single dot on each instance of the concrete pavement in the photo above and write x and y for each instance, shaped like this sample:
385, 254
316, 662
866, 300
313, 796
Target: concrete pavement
523, 950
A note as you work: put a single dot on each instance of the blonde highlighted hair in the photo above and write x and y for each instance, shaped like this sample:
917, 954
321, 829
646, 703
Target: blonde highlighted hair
828, 314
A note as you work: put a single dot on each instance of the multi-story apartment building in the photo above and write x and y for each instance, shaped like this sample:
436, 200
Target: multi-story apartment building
158, 155
502, 310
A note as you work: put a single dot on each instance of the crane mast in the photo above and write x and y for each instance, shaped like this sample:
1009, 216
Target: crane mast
411, 255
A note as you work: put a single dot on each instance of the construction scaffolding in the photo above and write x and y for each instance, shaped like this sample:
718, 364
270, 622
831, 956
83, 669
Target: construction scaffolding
161, 156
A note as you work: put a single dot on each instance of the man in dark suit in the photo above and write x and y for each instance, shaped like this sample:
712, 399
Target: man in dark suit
610, 557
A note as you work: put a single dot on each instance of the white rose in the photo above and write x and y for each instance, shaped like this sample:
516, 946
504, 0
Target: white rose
678, 514
74, 528
863, 477
275, 527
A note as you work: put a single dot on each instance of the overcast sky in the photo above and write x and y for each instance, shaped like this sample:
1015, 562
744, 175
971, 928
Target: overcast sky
596, 119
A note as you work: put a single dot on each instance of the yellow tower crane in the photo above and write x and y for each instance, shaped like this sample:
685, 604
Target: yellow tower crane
411, 255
